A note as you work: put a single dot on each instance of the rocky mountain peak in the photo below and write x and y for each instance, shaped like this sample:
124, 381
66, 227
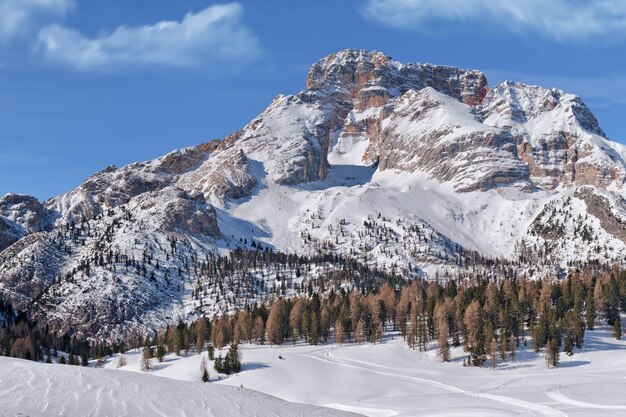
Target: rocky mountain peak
345, 94
347, 70
350, 71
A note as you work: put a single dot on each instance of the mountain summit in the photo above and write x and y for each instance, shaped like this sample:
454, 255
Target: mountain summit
408, 169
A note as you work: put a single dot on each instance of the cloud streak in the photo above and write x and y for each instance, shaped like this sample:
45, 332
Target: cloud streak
214, 35
17, 16
19, 157
562, 20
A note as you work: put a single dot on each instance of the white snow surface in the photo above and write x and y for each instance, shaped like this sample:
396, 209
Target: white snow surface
46, 390
390, 379
490, 221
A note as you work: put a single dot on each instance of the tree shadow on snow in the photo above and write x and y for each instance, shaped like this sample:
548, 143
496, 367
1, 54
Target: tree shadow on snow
572, 364
159, 366
252, 366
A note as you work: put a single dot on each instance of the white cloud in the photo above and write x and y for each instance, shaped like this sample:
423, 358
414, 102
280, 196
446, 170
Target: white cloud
213, 35
560, 19
16, 16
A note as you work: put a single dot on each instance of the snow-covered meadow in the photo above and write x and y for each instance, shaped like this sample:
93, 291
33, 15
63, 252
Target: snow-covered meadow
389, 379
386, 379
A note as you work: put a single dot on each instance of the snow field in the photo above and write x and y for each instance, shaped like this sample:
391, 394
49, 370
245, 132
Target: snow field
389, 379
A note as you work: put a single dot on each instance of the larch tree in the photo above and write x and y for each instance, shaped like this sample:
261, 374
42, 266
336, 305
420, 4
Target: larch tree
274, 326
590, 311
200, 334
145, 358
359, 335
258, 330
474, 343
442, 340
339, 334
295, 319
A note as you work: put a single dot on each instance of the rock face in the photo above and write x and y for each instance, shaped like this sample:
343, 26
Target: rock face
431, 132
288, 138
403, 167
544, 138
224, 177
173, 210
557, 136
20, 215
345, 93
356, 84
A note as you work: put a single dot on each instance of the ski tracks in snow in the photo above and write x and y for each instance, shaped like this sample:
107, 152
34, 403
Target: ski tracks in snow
557, 395
541, 409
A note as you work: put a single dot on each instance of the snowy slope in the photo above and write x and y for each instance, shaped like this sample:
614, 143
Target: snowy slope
45, 390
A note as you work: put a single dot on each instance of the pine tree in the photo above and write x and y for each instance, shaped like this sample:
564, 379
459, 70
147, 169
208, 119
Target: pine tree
512, 345
617, 329
552, 353
569, 345
84, 355
570, 333
204, 371
612, 304
231, 363
233, 359
219, 364
160, 352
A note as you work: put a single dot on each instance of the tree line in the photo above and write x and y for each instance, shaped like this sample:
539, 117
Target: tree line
489, 318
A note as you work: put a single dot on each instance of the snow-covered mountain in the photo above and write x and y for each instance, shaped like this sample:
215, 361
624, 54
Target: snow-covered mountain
414, 169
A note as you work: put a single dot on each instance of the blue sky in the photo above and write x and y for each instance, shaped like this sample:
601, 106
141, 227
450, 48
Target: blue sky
85, 84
